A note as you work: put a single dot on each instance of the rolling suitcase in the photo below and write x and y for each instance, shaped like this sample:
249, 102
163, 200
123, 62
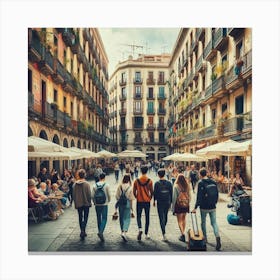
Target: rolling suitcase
196, 238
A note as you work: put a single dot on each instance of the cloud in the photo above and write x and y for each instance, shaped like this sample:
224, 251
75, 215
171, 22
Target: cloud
152, 40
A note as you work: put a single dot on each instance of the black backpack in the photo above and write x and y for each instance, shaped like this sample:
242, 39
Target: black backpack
100, 196
164, 193
193, 175
123, 199
211, 192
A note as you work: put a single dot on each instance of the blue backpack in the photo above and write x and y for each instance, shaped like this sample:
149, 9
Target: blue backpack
233, 219
100, 196
123, 199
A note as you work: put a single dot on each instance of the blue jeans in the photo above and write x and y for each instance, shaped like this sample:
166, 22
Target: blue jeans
212, 214
124, 211
83, 217
101, 214
139, 207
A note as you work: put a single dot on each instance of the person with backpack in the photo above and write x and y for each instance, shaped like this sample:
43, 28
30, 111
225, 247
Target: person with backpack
101, 197
163, 198
206, 200
143, 192
181, 203
193, 177
124, 196
82, 200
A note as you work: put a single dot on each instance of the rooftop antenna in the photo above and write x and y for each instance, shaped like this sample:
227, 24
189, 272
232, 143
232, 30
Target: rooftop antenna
133, 47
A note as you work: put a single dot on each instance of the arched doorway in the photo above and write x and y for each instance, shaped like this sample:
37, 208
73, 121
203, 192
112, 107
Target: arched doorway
79, 144
85, 145
72, 143
56, 163
43, 135
65, 143
55, 139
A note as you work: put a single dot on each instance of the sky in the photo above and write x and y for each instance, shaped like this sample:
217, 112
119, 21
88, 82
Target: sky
152, 40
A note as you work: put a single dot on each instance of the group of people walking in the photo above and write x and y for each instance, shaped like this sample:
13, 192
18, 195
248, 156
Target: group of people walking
165, 196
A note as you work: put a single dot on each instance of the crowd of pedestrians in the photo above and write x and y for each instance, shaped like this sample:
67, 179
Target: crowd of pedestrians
171, 192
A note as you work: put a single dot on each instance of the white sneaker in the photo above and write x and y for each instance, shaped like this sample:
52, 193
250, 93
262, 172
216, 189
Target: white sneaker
164, 238
147, 236
124, 236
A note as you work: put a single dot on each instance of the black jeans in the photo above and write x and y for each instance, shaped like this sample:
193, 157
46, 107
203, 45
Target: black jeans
83, 217
162, 214
139, 207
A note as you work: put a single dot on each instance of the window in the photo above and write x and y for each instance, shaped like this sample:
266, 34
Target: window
151, 92
151, 120
64, 101
161, 105
161, 91
151, 136
29, 80
150, 76
124, 92
138, 91
123, 77
138, 121
55, 95
65, 57
161, 121
239, 50
123, 105
138, 106
214, 115
183, 57
137, 76
138, 135
123, 121
224, 107
71, 108
150, 107
161, 76
161, 137
203, 119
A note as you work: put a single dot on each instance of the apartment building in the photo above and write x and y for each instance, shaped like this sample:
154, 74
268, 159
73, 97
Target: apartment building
67, 88
138, 105
211, 90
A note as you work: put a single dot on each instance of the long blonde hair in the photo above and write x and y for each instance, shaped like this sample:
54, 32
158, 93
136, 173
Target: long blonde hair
182, 182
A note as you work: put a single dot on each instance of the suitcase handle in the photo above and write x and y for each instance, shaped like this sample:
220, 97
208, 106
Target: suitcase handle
194, 224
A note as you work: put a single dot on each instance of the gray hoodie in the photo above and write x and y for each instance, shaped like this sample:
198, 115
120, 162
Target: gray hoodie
81, 194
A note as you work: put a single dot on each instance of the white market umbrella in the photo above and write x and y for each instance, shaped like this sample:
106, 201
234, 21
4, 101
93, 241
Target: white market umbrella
244, 148
131, 154
48, 155
37, 144
172, 157
84, 153
190, 157
106, 154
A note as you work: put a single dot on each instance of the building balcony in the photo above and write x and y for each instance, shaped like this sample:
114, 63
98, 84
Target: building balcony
162, 141
198, 33
123, 142
189, 137
208, 92
220, 38
137, 111
59, 118
161, 81
122, 82
193, 44
150, 96
46, 64
161, 111
198, 64
59, 74
137, 81
122, 97
150, 81
161, 96
35, 48
68, 36
209, 51
86, 34
233, 125
150, 126
207, 132
68, 84
122, 111
185, 62
136, 126
161, 126
150, 111
138, 140
122, 127
218, 84
137, 95
235, 32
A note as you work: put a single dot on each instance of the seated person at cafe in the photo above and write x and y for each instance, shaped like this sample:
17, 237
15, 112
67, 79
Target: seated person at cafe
37, 199
57, 192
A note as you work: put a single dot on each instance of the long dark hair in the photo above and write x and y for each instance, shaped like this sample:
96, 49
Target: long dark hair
182, 182
126, 179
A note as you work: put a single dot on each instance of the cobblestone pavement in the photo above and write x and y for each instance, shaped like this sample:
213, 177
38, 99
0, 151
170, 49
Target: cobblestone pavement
62, 235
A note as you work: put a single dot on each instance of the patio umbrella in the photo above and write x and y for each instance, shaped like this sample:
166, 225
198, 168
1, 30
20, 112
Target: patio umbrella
190, 157
84, 153
106, 154
37, 144
48, 155
244, 148
172, 156
131, 154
